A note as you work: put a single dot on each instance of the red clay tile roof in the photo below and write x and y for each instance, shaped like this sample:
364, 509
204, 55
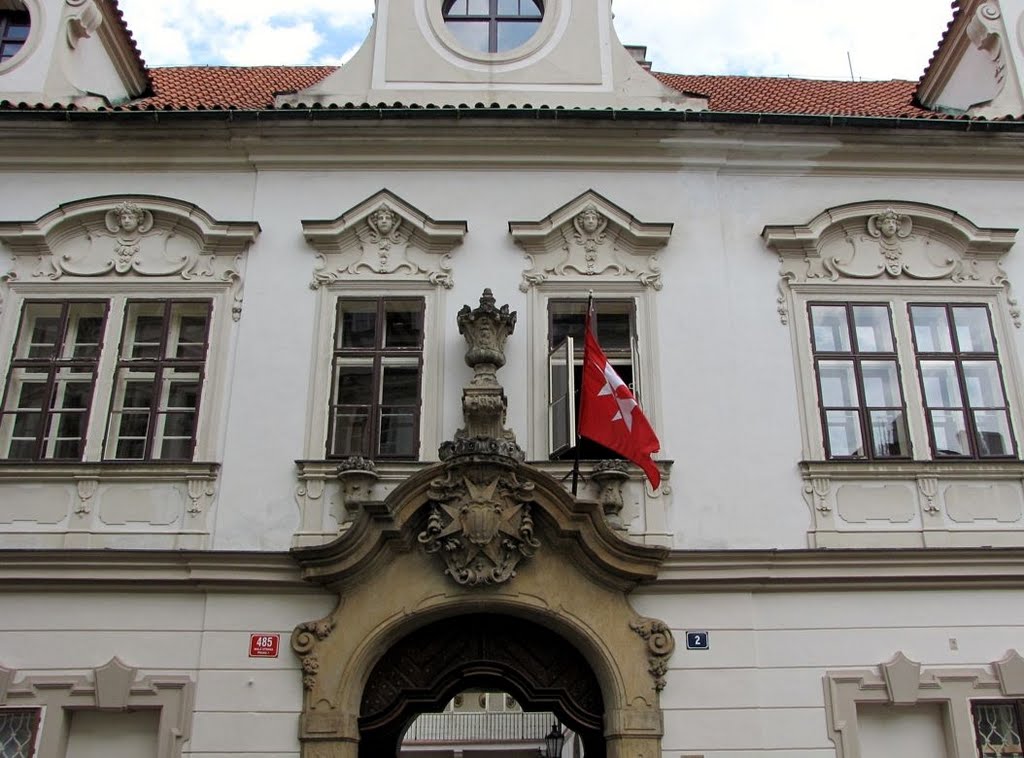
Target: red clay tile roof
219, 87
223, 87
760, 94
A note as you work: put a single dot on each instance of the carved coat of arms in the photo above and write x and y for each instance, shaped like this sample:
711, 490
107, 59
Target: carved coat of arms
481, 529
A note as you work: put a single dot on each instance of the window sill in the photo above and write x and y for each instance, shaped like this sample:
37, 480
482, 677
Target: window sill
62, 471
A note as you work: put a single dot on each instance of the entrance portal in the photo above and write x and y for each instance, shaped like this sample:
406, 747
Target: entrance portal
425, 669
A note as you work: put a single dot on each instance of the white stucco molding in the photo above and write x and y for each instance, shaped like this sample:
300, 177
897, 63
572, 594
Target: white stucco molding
111, 687
903, 682
135, 236
384, 236
890, 242
590, 237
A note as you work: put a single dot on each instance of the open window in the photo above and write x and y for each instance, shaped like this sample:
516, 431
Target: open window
615, 328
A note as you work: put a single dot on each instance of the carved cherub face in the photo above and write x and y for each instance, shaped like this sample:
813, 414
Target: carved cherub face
589, 220
889, 225
129, 218
384, 220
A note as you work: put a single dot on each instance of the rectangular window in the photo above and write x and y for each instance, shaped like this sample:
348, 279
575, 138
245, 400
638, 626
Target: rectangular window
862, 351
18, 729
961, 382
997, 728
51, 407
376, 382
52, 380
859, 389
615, 328
154, 410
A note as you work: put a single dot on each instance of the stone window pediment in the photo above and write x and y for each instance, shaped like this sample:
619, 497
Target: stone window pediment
383, 236
590, 238
129, 236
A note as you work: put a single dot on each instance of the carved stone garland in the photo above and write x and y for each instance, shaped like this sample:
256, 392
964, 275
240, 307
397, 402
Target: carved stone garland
590, 237
383, 236
884, 241
144, 236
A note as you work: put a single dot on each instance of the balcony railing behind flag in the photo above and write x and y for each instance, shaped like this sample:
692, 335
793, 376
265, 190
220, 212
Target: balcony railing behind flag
479, 727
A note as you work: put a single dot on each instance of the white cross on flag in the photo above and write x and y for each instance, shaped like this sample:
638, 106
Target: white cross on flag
609, 414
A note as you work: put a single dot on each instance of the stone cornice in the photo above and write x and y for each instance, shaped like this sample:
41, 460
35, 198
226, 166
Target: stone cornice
835, 570
223, 144
147, 570
682, 571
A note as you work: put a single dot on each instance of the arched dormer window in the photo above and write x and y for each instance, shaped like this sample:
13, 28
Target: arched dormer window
492, 26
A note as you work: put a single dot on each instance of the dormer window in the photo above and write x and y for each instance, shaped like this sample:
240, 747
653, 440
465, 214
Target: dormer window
492, 26
14, 27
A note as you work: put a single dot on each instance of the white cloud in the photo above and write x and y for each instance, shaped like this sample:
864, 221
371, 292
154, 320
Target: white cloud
811, 38
885, 39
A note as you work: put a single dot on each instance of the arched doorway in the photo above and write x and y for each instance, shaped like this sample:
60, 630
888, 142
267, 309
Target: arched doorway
424, 669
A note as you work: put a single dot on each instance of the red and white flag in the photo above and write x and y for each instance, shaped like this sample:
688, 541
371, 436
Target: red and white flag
609, 414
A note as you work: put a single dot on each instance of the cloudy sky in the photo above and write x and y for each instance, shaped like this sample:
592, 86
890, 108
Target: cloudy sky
886, 39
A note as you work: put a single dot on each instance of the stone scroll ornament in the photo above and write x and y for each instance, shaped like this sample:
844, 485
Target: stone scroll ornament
660, 646
481, 530
305, 639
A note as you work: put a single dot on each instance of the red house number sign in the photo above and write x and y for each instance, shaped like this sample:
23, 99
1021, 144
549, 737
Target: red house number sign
264, 645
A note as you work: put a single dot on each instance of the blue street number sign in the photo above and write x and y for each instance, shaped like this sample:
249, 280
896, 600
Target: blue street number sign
697, 641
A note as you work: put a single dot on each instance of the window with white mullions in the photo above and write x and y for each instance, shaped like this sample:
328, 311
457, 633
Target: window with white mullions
155, 405
376, 379
997, 728
859, 388
51, 381
615, 327
18, 730
965, 401
492, 26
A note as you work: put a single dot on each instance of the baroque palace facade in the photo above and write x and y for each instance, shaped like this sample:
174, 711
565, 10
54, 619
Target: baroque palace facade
287, 361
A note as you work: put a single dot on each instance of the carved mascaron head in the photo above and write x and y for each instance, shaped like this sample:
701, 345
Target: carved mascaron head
383, 220
486, 329
129, 219
889, 226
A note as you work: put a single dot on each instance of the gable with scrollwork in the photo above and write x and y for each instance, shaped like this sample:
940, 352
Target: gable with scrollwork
120, 237
590, 237
383, 237
889, 242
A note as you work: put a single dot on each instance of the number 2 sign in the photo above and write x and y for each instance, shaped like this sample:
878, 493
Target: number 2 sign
697, 641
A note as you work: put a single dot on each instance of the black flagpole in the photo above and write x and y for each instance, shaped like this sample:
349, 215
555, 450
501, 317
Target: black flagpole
576, 457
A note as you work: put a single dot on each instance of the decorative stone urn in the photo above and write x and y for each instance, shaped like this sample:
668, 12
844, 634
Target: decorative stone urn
610, 475
484, 405
357, 476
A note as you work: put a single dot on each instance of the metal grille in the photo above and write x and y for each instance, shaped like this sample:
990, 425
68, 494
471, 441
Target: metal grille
998, 729
479, 727
18, 732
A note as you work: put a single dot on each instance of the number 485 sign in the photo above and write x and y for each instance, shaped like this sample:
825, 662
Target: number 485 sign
264, 645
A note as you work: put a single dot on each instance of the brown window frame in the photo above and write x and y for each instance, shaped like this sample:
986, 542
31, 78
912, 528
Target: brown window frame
159, 366
378, 356
12, 19
958, 357
1018, 710
36, 720
493, 19
52, 366
858, 357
